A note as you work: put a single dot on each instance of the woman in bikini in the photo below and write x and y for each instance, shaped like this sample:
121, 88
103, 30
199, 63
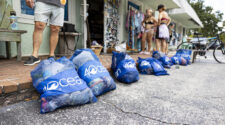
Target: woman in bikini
162, 33
149, 23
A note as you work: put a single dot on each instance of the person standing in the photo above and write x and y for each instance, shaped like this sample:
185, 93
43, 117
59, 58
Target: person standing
162, 33
45, 11
149, 23
171, 30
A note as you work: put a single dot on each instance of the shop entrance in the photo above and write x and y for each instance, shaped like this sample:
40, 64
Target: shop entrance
95, 22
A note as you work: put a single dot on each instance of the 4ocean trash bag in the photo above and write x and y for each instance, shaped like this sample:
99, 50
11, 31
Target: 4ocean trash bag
124, 68
144, 66
182, 57
186, 54
59, 85
151, 66
179, 60
163, 59
92, 71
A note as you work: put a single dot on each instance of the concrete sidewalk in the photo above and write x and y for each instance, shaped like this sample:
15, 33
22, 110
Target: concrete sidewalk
189, 95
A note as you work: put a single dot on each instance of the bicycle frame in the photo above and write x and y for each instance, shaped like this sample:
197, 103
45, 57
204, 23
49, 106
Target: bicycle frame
211, 44
217, 39
201, 49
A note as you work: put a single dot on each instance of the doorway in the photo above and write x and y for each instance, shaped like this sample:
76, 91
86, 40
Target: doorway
95, 22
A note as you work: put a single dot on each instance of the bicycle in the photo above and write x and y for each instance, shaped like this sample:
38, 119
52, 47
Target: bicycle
200, 49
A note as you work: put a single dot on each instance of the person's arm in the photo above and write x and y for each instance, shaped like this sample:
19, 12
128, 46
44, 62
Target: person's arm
143, 22
155, 21
30, 3
169, 21
159, 20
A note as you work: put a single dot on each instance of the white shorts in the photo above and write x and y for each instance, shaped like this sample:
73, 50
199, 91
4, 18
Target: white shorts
46, 12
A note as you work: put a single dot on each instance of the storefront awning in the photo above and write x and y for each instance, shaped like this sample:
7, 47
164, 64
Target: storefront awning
170, 4
186, 15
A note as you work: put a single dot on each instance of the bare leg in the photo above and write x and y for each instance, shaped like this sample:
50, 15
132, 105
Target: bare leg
158, 44
167, 45
54, 39
150, 35
37, 37
163, 46
143, 41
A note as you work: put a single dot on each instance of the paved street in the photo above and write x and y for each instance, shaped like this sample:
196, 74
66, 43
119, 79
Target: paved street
189, 95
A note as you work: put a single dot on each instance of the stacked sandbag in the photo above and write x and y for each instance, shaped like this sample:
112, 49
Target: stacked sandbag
124, 68
92, 71
163, 59
59, 85
144, 66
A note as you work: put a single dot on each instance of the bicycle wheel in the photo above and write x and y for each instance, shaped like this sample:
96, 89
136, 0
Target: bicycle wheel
185, 45
219, 54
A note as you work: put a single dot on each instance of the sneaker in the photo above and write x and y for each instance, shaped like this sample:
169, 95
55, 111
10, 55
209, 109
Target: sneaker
142, 52
31, 61
147, 53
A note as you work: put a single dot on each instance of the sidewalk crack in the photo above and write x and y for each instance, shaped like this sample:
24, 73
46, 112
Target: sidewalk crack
143, 116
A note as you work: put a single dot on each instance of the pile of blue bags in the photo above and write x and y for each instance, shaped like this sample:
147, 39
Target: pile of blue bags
163, 59
124, 68
151, 66
78, 80
92, 71
160, 61
60, 85
182, 57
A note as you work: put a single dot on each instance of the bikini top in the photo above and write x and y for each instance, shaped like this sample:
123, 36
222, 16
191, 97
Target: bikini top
164, 19
149, 22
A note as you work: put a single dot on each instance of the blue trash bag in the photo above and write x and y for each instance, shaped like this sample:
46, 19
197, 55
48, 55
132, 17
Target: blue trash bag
117, 58
144, 66
179, 60
124, 68
93, 72
164, 60
185, 54
157, 54
175, 60
60, 85
81, 56
158, 69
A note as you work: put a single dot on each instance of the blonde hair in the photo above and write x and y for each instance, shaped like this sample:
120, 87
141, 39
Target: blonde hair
149, 10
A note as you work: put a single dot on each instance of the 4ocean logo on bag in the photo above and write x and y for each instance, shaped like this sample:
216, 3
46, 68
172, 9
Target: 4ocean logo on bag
92, 70
167, 59
118, 71
129, 65
64, 82
157, 66
145, 63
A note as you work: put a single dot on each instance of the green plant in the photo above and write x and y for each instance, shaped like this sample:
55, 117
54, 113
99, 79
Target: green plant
209, 18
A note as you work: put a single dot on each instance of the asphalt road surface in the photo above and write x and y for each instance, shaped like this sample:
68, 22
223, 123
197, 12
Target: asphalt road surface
189, 95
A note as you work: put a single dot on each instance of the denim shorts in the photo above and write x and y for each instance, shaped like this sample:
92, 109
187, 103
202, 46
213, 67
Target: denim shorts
46, 12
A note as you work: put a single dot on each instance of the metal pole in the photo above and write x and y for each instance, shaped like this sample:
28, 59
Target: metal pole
85, 25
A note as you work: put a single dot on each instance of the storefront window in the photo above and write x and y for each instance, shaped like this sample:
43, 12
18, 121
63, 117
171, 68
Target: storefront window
25, 9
